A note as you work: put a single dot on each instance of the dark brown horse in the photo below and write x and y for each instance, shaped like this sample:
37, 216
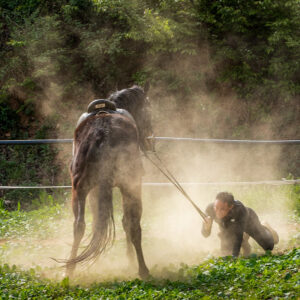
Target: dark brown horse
106, 155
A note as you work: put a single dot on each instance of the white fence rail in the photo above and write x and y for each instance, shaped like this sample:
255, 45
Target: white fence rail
170, 139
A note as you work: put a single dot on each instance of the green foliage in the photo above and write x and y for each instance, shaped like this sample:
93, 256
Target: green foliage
10, 121
29, 165
34, 224
296, 197
58, 55
256, 278
253, 45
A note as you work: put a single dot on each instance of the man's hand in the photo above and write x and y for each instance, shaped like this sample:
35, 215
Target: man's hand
206, 226
207, 223
149, 144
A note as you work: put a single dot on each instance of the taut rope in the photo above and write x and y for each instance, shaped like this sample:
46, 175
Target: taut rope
163, 169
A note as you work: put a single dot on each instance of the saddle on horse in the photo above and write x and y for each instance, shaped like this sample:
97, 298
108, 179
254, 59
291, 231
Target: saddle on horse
100, 106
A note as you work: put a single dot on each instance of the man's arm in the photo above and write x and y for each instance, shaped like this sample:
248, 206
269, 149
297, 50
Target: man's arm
237, 228
206, 226
207, 223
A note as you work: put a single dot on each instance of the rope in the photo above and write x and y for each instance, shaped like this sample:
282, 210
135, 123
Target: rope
174, 181
158, 138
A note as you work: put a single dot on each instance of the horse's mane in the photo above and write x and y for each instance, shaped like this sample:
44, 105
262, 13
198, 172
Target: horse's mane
130, 99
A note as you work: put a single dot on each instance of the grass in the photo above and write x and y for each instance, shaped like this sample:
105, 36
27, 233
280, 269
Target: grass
36, 223
28, 239
264, 277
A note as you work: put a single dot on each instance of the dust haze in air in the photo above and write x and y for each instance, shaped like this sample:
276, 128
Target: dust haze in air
171, 227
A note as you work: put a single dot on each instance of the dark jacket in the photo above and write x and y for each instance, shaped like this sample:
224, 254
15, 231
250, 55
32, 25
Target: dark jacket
231, 226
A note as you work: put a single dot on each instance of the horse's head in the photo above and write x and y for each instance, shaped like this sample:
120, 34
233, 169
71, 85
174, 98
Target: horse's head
135, 101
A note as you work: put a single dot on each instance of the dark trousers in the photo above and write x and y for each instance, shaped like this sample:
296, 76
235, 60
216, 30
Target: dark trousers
254, 229
258, 232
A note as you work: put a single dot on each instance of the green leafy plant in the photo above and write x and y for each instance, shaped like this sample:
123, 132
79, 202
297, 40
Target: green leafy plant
257, 277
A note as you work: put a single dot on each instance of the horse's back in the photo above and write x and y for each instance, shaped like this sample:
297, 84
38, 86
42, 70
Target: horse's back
105, 145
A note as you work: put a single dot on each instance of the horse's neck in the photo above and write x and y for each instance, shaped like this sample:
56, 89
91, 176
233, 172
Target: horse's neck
127, 109
126, 113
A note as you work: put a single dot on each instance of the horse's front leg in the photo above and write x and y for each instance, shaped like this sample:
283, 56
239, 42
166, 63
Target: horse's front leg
78, 204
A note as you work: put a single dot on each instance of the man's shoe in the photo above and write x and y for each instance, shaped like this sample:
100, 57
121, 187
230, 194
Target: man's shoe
273, 232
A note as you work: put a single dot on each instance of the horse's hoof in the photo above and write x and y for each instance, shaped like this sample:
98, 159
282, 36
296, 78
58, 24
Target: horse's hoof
69, 272
144, 274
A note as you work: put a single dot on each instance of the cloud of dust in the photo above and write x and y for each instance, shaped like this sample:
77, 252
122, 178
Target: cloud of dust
53, 72
37, 250
171, 235
171, 226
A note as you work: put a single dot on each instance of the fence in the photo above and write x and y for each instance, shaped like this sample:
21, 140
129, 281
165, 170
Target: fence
158, 138
170, 139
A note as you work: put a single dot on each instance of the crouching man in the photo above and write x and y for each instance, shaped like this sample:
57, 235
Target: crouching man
237, 223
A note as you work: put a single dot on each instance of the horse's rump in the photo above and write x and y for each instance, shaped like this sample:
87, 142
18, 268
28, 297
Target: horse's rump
106, 152
105, 144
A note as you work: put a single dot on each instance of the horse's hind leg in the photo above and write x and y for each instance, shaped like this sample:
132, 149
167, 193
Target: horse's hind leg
132, 206
130, 251
78, 204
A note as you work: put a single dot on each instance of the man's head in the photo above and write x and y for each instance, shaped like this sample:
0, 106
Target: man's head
223, 204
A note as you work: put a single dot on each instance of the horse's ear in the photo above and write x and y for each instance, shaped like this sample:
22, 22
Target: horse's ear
146, 86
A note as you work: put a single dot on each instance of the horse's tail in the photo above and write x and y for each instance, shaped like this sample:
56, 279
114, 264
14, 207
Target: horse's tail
103, 233
92, 170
